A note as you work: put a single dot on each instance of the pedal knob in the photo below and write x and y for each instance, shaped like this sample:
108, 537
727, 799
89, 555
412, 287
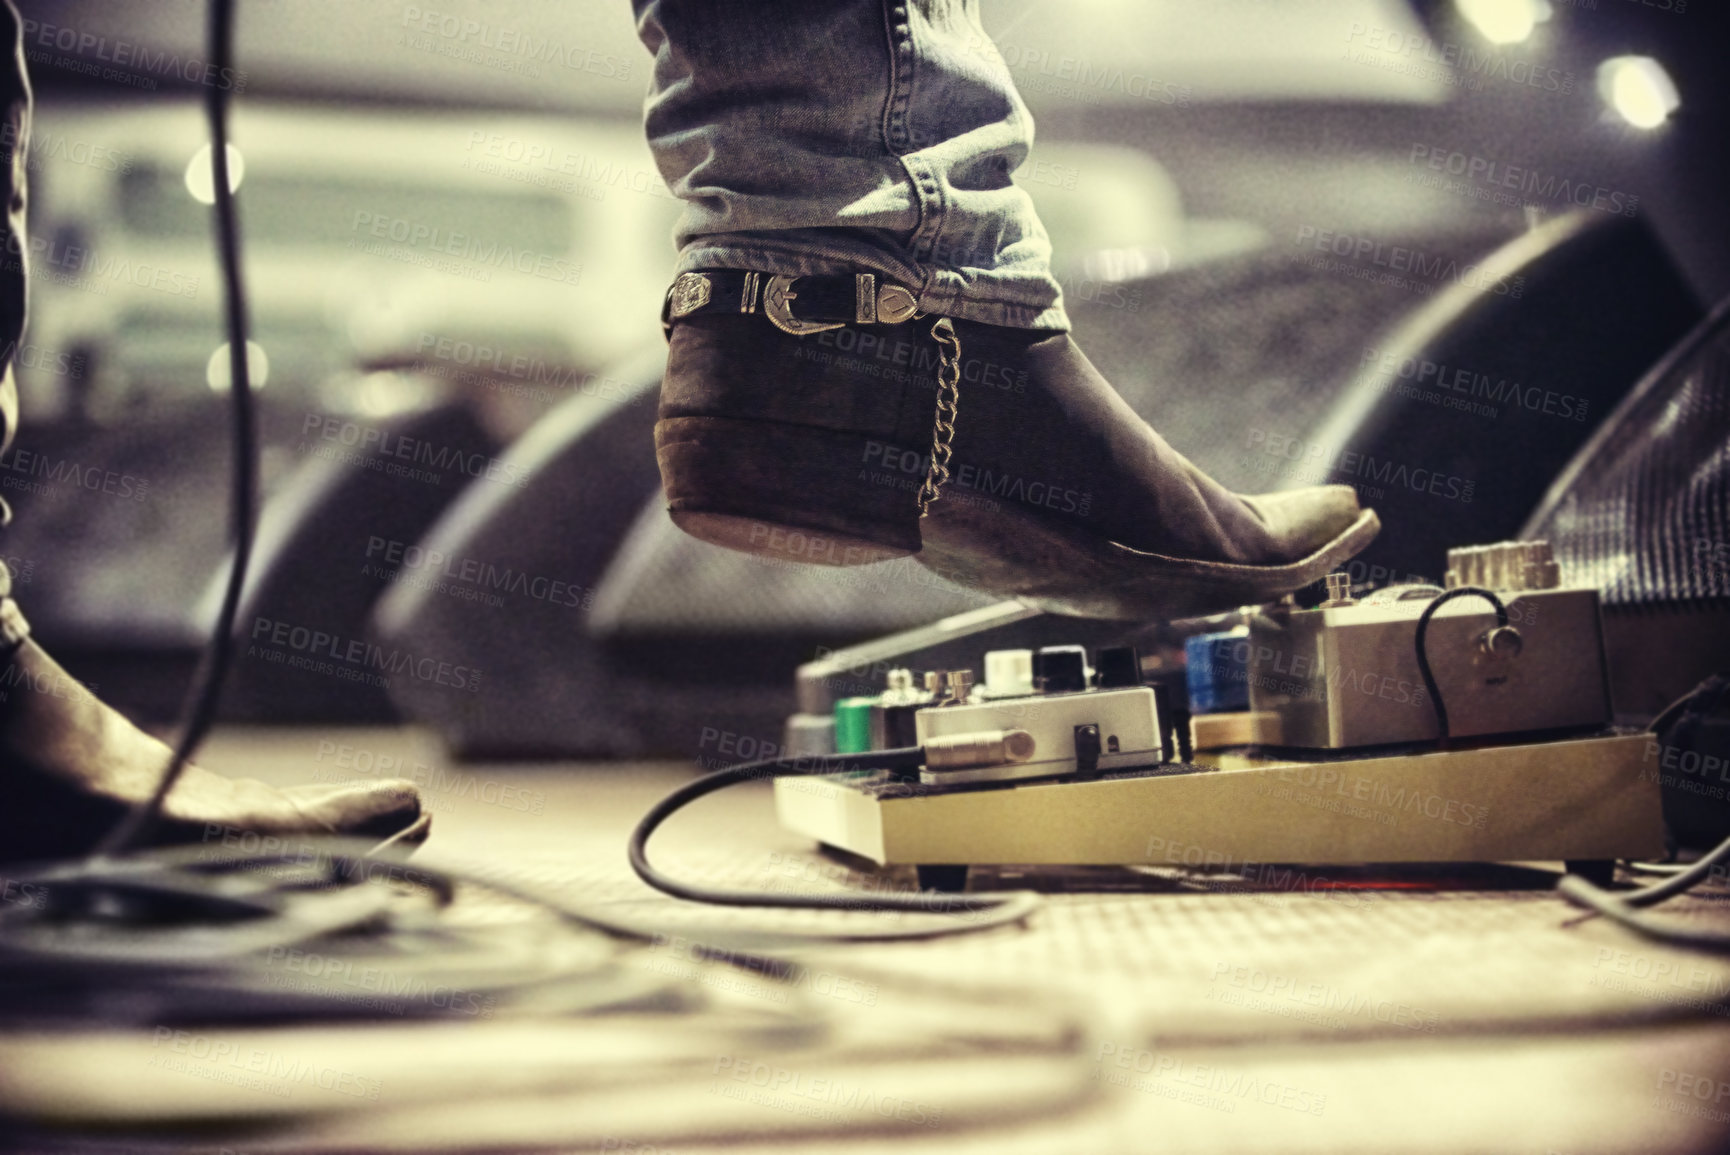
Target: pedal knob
1060, 669
949, 687
1009, 673
1116, 667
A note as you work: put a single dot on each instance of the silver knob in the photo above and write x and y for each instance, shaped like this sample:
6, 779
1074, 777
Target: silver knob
949, 687
1339, 591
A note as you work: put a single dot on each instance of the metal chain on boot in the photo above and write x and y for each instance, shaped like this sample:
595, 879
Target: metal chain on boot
948, 397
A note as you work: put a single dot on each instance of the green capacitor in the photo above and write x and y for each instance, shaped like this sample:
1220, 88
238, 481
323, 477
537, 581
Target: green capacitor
853, 725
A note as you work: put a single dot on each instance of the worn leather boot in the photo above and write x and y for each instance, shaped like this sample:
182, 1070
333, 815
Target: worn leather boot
826, 446
71, 767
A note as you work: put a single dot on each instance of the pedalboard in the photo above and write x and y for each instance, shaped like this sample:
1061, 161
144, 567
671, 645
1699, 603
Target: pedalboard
1314, 737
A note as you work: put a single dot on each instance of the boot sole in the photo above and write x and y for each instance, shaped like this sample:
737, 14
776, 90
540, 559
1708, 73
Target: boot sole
788, 492
1066, 570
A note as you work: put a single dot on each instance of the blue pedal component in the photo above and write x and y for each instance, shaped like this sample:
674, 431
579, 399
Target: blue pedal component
1218, 671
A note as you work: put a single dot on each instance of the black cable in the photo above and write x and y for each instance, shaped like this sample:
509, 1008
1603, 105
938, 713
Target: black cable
1673, 711
203, 930
997, 911
1666, 869
110, 943
1625, 909
1684, 880
206, 691
1423, 656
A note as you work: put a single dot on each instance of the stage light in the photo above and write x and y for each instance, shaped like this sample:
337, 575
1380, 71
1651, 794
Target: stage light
218, 376
1503, 21
198, 178
1638, 89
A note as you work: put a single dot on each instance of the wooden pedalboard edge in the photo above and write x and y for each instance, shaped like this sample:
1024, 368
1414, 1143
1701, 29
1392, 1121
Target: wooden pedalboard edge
1575, 799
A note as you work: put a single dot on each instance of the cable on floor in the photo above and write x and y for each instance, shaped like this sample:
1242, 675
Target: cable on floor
977, 912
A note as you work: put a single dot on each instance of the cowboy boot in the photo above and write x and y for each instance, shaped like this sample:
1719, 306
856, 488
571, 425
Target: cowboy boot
999, 457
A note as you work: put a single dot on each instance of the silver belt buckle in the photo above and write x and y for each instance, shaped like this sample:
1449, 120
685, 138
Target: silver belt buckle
777, 296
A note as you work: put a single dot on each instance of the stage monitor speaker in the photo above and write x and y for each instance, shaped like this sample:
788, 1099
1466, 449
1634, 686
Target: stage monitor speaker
1463, 413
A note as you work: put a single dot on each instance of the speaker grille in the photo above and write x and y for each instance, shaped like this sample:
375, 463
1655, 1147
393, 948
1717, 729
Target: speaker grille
1643, 511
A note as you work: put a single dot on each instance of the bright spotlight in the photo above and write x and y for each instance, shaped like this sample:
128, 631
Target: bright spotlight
1639, 89
198, 178
218, 376
1501, 21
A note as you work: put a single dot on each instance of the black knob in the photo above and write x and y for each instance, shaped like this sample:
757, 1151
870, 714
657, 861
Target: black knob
1060, 669
1116, 667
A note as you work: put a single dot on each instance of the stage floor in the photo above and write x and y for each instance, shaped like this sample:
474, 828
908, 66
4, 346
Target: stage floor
1454, 1011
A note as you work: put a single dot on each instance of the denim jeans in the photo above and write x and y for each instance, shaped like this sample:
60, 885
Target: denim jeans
832, 136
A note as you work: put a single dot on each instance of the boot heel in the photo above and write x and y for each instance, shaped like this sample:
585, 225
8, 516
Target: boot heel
789, 492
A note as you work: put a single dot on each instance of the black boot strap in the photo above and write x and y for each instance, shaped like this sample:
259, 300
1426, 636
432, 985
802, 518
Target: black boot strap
795, 304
